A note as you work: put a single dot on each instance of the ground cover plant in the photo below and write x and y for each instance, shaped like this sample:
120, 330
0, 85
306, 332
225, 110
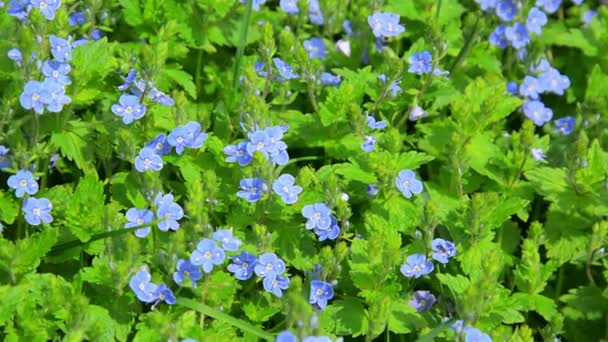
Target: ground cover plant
303, 170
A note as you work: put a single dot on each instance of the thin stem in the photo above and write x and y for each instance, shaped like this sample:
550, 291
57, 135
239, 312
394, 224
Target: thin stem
467, 45
242, 42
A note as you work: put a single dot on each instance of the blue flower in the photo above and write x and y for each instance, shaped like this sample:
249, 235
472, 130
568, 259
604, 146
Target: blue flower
373, 124
537, 112
314, 12
554, 82
229, 242
259, 68
393, 87
19, 9
238, 153
189, 135
284, 69
331, 232
37, 210
148, 160
159, 97
207, 254
96, 34
486, 5
588, 17
243, 265
476, 335
408, 184
4, 162
269, 265
77, 18
258, 141
536, 20
317, 339
421, 63
318, 215
550, 6
33, 96
423, 300
185, 270
168, 210
255, 5
160, 145
368, 144
164, 294
286, 336
517, 35
577, 2
23, 181
498, 37
512, 88
276, 284
531, 87
144, 289
54, 95
128, 80
61, 48
417, 266
348, 27
129, 108
565, 125
506, 10
385, 24
330, 79
57, 71
320, 293
284, 187
289, 6
15, 55
315, 47
416, 113
372, 190
538, 154
47, 7
138, 217
252, 189
443, 250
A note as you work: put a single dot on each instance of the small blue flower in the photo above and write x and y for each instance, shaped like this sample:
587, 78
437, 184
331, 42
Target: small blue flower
512, 88
77, 18
314, 12
318, 215
443, 249
588, 17
53, 95
185, 270
348, 27
164, 294
506, 10
207, 254
238, 153
320, 293
160, 145
289, 6
229, 242
554, 82
33, 96
96, 34
417, 266
423, 300
369, 144
372, 190
536, 20
475, 335
276, 284
144, 289
577, 2
23, 181
517, 35
15, 55
259, 68
37, 210
148, 160
284, 187
61, 49
373, 124
565, 125
159, 97
128, 80
315, 47
286, 336
189, 135
330, 79
138, 217
169, 210
486, 5
408, 184
416, 113
385, 24
19, 9
269, 265
550, 6
258, 141
285, 69
47, 7
531, 87
331, 232
537, 112
421, 63
252, 189
57, 71
4, 162
242, 265
498, 37
129, 108
394, 87
538, 154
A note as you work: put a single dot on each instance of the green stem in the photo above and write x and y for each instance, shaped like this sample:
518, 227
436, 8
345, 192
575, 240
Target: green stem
214, 313
242, 42
467, 45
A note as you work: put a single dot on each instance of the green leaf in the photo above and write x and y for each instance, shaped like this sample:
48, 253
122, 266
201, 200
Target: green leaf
347, 317
9, 208
87, 202
556, 33
73, 142
182, 78
132, 12
352, 171
403, 318
457, 283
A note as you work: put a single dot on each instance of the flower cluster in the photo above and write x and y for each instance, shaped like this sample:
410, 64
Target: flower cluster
314, 10
35, 210
266, 141
321, 221
148, 292
369, 143
21, 8
268, 266
167, 212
